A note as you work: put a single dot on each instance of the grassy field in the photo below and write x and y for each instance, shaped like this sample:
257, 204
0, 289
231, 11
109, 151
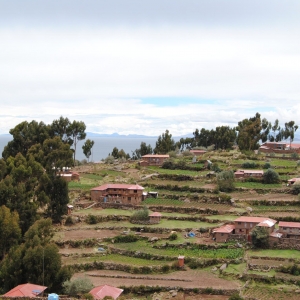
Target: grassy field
295, 254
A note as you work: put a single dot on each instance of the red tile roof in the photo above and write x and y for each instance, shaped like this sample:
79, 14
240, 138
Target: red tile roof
101, 291
249, 171
289, 224
225, 229
118, 186
155, 214
260, 220
26, 290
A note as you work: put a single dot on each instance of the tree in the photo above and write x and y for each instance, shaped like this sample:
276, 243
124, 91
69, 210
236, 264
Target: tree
77, 133
115, 152
143, 150
36, 260
223, 137
87, 148
260, 237
289, 132
62, 128
275, 137
10, 232
249, 133
26, 135
164, 143
271, 176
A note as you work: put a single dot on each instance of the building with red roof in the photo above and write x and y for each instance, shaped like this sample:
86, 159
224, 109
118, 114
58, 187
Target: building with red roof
26, 290
222, 233
102, 291
289, 229
248, 173
118, 193
153, 159
155, 217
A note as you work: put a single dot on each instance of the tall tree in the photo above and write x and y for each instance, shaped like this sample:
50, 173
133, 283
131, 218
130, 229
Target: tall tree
143, 150
26, 135
36, 260
223, 137
164, 144
290, 129
62, 128
249, 133
77, 133
275, 137
87, 148
10, 232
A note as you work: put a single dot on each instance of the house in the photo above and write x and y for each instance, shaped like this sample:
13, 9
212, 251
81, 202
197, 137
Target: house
155, 217
293, 180
153, 159
222, 233
103, 291
26, 290
198, 152
69, 176
279, 147
118, 193
242, 227
248, 173
289, 229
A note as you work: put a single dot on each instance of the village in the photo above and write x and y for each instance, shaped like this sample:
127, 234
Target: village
194, 240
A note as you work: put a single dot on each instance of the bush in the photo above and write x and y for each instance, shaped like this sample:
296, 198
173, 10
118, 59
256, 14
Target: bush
271, 176
296, 188
295, 155
130, 238
77, 286
168, 164
249, 165
260, 237
267, 165
91, 219
69, 221
141, 215
235, 296
109, 159
225, 181
173, 237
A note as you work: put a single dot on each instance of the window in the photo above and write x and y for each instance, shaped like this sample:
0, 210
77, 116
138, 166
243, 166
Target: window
135, 191
239, 223
222, 234
129, 198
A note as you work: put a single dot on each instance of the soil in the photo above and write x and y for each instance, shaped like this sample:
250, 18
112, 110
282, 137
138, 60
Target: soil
268, 197
185, 279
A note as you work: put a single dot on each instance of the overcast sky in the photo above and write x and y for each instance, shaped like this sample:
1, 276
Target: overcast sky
139, 66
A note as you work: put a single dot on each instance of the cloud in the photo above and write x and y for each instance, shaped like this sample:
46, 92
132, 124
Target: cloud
97, 62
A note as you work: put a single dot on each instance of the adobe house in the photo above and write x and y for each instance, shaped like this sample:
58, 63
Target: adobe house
248, 173
153, 159
279, 147
289, 229
222, 233
198, 152
293, 180
155, 217
118, 193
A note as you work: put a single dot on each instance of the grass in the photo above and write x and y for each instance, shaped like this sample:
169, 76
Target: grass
174, 172
115, 258
104, 212
174, 252
257, 185
222, 217
235, 269
295, 254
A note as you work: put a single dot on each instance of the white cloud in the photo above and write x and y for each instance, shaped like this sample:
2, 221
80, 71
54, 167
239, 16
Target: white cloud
99, 74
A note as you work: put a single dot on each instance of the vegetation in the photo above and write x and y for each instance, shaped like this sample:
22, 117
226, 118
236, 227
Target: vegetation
260, 237
271, 176
78, 286
225, 181
141, 215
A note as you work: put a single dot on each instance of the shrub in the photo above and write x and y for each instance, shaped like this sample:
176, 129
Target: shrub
165, 268
267, 165
141, 215
109, 159
260, 237
77, 286
295, 155
235, 296
298, 163
271, 176
225, 181
168, 164
296, 188
91, 219
173, 237
249, 165
69, 221
130, 238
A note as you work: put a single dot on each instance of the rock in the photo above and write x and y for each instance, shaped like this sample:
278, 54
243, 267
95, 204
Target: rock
223, 267
214, 269
153, 239
174, 294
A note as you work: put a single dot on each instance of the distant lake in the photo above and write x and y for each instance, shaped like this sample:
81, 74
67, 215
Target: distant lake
102, 147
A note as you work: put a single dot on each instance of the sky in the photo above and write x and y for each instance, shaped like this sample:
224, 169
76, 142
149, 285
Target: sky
141, 67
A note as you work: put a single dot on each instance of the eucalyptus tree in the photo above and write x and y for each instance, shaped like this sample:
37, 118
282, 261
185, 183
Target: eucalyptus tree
87, 148
164, 144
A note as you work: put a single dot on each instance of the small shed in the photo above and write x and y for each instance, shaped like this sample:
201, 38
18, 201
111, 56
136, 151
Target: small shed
155, 217
103, 291
222, 233
180, 261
